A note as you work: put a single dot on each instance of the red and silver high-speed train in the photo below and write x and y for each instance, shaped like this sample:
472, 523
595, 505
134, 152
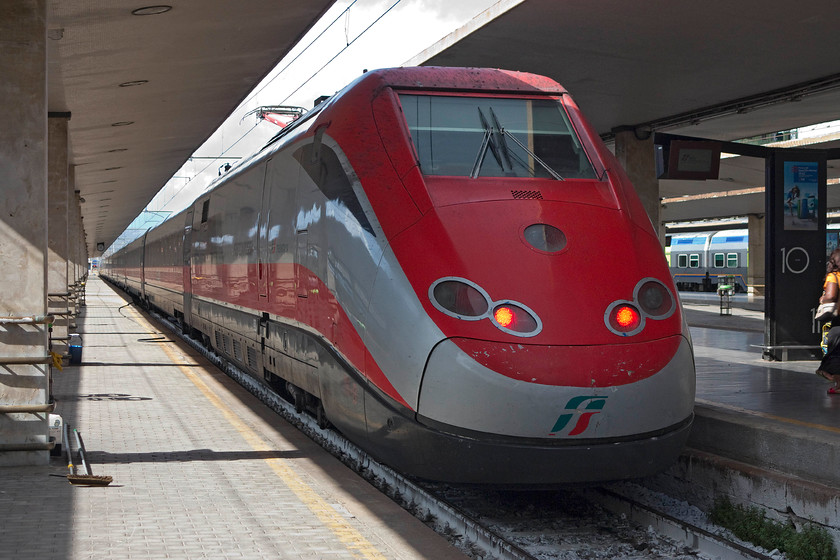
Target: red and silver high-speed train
450, 266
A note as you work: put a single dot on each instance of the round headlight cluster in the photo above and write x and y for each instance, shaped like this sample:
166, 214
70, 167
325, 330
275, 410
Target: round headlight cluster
465, 300
651, 300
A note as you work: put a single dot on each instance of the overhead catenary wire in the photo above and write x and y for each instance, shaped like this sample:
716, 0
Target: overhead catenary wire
301, 53
309, 79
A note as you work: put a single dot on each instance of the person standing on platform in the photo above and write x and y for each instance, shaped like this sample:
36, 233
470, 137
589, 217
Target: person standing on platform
830, 364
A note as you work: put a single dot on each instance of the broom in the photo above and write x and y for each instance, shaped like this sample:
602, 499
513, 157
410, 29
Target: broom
86, 479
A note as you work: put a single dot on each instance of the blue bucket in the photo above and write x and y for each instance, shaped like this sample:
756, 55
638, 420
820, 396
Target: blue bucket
75, 349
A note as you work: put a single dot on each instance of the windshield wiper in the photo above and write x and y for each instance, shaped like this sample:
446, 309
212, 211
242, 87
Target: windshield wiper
502, 132
533, 155
490, 140
494, 138
499, 137
485, 141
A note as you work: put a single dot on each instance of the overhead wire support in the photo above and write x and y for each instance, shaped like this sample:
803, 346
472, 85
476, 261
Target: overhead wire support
270, 112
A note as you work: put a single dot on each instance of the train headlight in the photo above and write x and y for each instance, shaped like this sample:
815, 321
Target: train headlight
465, 300
655, 299
460, 299
651, 300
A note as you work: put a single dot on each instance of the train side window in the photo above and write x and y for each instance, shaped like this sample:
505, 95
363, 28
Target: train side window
205, 211
321, 164
719, 260
694, 261
682, 261
732, 260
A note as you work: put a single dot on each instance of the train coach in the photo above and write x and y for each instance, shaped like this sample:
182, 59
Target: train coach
448, 266
699, 260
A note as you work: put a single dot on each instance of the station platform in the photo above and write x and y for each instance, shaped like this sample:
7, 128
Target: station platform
773, 415
200, 468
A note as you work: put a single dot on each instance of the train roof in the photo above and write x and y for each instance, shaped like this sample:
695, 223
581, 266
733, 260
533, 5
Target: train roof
464, 79
469, 80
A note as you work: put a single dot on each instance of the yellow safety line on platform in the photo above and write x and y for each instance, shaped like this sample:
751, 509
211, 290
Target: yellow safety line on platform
356, 544
769, 416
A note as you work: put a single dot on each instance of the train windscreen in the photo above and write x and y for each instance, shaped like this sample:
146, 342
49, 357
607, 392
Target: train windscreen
494, 137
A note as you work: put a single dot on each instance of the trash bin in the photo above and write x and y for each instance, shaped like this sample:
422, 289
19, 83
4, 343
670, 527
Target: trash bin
56, 423
75, 349
725, 292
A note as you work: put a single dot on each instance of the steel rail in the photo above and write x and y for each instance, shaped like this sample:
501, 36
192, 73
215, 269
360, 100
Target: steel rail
700, 539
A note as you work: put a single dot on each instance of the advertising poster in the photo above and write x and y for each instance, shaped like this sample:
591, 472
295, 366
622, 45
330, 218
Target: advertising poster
801, 199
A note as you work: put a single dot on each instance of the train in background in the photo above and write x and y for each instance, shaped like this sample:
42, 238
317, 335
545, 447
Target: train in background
424, 262
700, 260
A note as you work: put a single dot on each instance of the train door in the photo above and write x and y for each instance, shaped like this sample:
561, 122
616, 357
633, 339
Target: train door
304, 277
143, 267
309, 227
263, 268
187, 268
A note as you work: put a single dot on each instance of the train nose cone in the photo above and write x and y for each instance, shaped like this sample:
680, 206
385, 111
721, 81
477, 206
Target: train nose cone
532, 388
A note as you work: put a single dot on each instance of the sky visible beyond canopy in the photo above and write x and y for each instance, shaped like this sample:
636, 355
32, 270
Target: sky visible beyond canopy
353, 36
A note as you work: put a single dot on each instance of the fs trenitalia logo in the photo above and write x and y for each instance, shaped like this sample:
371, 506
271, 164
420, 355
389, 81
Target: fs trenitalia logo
584, 408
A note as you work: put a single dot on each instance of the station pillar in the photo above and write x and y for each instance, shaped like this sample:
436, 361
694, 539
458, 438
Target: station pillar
638, 158
79, 255
59, 241
24, 361
795, 252
755, 266
78, 251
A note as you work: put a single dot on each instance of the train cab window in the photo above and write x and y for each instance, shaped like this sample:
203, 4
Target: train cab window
694, 261
205, 211
682, 261
494, 137
732, 260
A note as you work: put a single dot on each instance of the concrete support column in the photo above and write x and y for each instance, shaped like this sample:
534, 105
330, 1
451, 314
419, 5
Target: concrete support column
78, 262
77, 232
755, 269
638, 159
81, 248
59, 241
23, 231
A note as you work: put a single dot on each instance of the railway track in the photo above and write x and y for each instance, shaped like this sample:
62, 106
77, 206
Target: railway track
592, 523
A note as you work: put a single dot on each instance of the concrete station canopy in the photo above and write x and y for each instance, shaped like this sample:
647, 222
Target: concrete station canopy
174, 76
714, 69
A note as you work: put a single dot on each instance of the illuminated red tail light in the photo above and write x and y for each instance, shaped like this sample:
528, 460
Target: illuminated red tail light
503, 316
625, 319
514, 318
651, 300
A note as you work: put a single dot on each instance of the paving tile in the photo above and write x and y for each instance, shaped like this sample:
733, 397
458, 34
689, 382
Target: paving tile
187, 483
